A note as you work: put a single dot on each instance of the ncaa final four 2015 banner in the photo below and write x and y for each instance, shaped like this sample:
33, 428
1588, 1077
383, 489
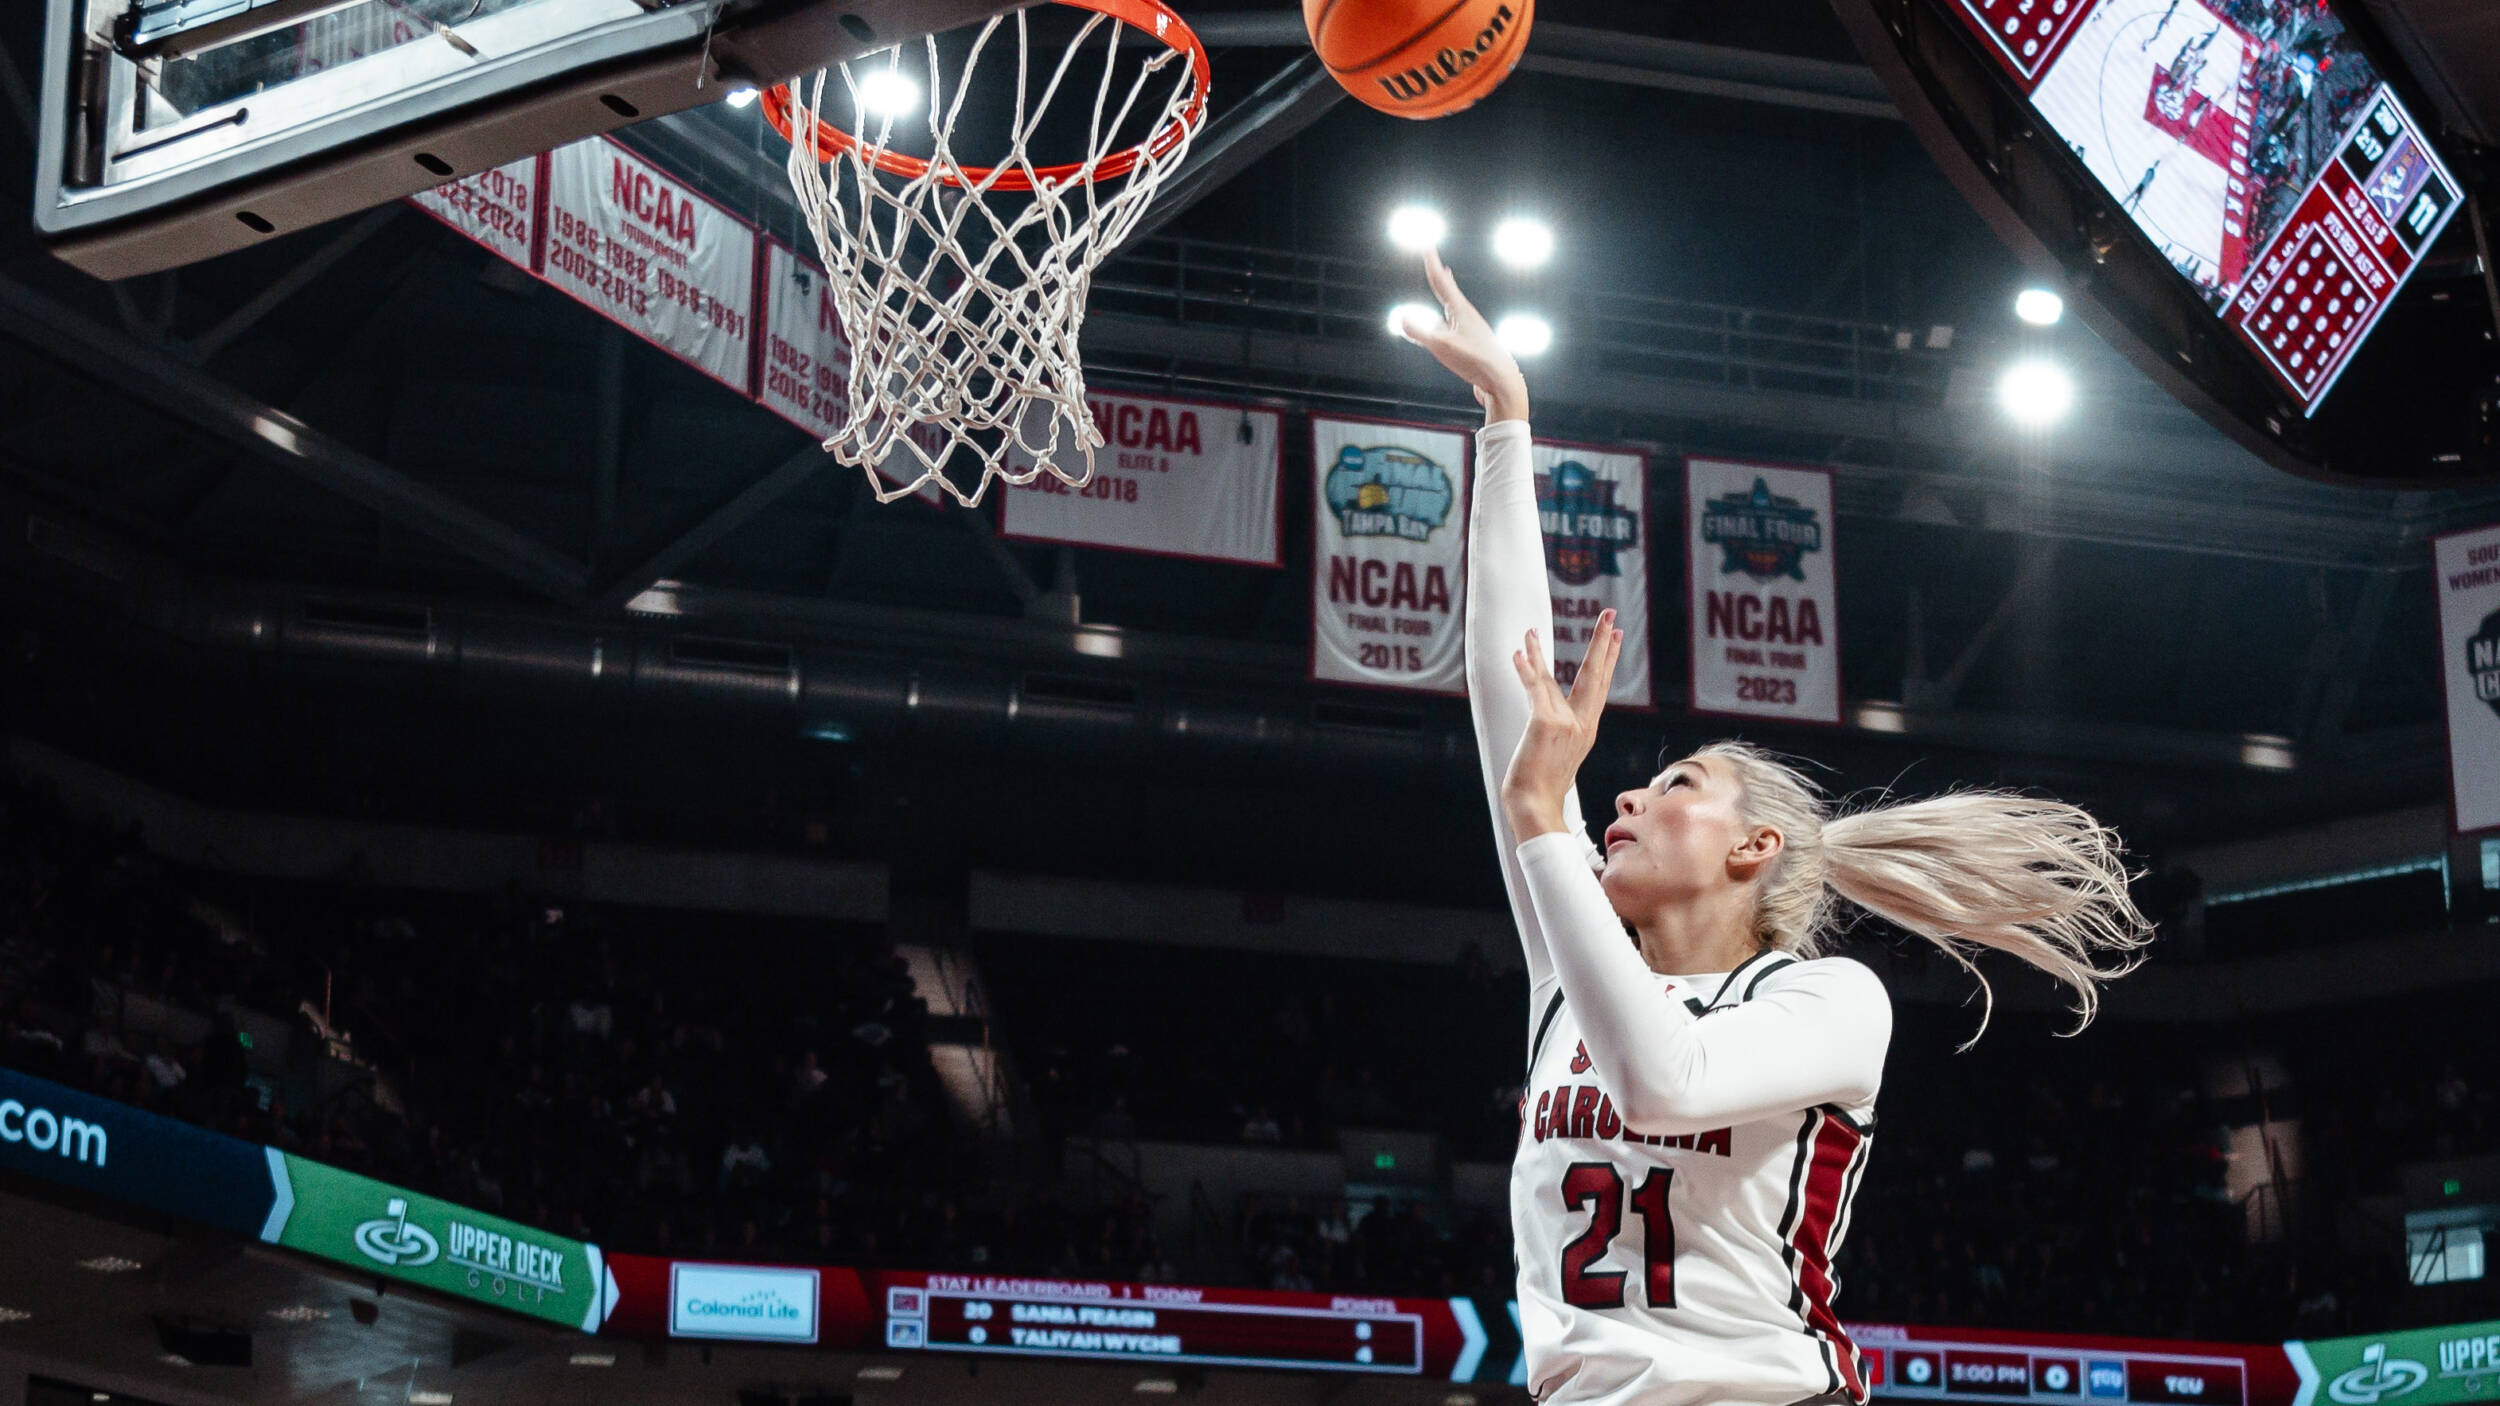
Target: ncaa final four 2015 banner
638, 245
1388, 554
1593, 505
2466, 568
1760, 591
1173, 477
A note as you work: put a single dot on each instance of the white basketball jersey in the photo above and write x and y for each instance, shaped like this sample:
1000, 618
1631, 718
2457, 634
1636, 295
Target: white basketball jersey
1689, 1270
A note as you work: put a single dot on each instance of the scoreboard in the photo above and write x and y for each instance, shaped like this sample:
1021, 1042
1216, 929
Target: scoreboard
1444, 1339
1970, 1364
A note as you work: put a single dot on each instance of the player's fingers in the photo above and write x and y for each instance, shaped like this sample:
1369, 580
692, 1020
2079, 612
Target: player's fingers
1454, 303
1597, 668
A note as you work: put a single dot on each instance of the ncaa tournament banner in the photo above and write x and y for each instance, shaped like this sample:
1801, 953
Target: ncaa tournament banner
2466, 572
497, 208
636, 245
1173, 478
1388, 555
1592, 503
806, 359
1760, 591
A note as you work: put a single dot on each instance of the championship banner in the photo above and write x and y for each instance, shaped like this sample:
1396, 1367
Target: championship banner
1173, 478
630, 241
1592, 504
2423, 1367
497, 208
1388, 555
2466, 571
383, 1229
1760, 591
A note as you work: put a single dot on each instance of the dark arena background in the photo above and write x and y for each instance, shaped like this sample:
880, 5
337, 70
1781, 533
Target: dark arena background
521, 880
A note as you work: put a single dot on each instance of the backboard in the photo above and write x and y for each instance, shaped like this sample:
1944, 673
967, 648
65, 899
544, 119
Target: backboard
176, 130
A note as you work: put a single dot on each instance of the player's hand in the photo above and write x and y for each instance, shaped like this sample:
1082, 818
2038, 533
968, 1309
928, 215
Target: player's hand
1464, 342
1562, 727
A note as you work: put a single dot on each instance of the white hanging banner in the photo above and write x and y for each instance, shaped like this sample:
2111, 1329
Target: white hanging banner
644, 249
804, 366
1174, 477
1761, 591
1388, 555
1593, 504
497, 208
2466, 571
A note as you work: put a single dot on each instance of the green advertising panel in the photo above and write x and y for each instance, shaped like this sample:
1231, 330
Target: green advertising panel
372, 1225
2423, 1367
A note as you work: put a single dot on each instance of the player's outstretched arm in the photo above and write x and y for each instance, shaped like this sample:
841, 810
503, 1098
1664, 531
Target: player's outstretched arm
1815, 1035
1507, 591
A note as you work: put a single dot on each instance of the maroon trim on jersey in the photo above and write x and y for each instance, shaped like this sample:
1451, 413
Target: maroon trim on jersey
1828, 1149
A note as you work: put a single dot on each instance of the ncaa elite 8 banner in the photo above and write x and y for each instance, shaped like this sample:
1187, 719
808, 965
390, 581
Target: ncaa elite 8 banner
2466, 572
1593, 506
1760, 591
1388, 555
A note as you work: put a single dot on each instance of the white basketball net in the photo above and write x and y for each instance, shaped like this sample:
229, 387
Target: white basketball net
962, 295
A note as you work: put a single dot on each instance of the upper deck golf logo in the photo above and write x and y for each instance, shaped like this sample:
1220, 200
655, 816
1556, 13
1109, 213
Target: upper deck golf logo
2378, 1378
1764, 534
394, 1242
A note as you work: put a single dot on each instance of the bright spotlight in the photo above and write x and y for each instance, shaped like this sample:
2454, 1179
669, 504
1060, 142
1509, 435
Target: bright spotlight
2039, 307
1524, 334
2036, 393
1523, 243
887, 92
1410, 315
1415, 228
740, 97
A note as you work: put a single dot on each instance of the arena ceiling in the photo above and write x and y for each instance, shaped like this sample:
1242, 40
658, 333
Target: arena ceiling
1758, 257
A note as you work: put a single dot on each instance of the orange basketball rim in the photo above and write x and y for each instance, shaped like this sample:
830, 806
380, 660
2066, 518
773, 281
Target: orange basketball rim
831, 143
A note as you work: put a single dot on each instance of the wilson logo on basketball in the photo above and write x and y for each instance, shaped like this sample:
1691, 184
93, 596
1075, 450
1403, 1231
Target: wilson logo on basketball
1421, 80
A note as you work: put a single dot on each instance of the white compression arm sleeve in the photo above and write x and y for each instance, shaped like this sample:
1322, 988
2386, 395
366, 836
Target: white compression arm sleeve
1815, 1034
1507, 596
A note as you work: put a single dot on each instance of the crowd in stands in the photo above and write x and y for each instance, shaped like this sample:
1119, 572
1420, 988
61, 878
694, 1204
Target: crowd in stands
666, 1081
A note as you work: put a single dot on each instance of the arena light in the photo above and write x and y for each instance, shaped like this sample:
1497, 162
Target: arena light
1523, 243
741, 96
1524, 334
2039, 307
2265, 752
1411, 315
1415, 228
2036, 393
1877, 715
887, 92
109, 1264
15, 1315
880, 1372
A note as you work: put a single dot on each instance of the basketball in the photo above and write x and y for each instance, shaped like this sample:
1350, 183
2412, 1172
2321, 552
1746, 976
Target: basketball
1419, 58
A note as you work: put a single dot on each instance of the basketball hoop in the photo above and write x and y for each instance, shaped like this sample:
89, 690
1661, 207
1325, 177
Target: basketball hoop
961, 289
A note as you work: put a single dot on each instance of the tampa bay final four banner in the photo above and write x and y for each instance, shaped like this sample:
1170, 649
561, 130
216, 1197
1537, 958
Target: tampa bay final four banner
1761, 591
1388, 554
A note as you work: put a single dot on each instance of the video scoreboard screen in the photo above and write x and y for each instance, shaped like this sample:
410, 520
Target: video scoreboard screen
2254, 144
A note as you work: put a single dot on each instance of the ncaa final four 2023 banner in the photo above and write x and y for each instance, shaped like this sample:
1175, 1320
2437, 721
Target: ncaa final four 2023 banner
1388, 555
2466, 566
1593, 506
1760, 591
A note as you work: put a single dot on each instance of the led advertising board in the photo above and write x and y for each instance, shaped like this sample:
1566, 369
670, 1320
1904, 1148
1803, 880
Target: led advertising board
120, 1153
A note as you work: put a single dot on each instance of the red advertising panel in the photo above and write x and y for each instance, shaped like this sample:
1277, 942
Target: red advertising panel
1979, 1364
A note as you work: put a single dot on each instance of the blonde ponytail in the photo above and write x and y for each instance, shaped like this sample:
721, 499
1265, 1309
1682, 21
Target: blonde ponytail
2039, 879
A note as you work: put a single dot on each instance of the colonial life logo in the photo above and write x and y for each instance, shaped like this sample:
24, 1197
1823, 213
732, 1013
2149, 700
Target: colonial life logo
1388, 490
1766, 536
1584, 530
2482, 661
392, 1241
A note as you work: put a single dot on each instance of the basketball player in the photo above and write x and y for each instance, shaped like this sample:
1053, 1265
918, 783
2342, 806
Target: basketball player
1701, 1083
